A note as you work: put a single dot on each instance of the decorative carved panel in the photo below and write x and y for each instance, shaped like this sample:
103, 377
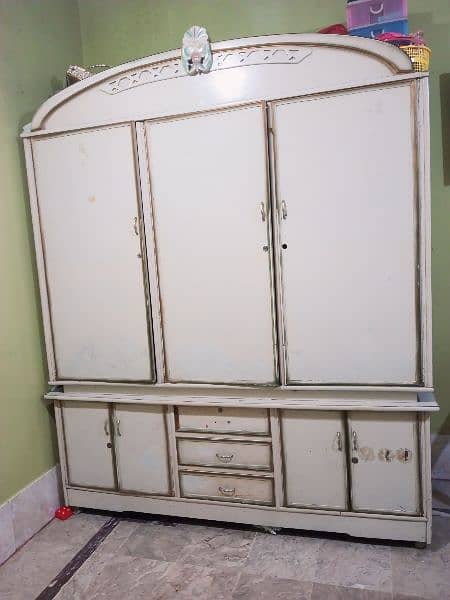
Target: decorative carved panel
225, 59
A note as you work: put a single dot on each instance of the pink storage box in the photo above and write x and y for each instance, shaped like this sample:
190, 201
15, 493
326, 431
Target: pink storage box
369, 12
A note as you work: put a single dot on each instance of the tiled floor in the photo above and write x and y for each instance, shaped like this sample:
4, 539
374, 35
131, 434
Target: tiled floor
169, 559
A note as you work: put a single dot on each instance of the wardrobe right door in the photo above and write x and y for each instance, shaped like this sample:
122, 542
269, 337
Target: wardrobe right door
346, 198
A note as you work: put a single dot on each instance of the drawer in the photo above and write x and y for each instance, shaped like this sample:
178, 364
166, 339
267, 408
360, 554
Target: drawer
227, 488
230, 454
373, 30
371, 12
212, 419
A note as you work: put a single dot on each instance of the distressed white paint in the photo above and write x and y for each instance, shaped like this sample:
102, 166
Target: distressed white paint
382, 481
227, 454
359, 60
345, 171
227, 488
87, 433
209, 188
314, 450
87, 195
140, 441
223, 419
208, 413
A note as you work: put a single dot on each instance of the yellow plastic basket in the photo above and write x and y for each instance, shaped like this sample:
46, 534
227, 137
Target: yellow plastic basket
419, 55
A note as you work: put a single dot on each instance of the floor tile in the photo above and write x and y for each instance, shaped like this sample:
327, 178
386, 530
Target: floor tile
330, 592
284, 556
119, 537
32, 568
114, 577
192, 581
258, 587
75, 531
355, 565
424, 573
189, 543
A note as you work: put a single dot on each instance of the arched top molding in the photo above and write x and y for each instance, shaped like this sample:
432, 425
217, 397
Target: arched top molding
255, 68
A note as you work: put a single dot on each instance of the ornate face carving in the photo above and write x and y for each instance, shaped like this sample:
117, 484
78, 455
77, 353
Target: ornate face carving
196, 55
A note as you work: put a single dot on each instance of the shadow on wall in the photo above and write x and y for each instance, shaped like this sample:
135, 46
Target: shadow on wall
444, 84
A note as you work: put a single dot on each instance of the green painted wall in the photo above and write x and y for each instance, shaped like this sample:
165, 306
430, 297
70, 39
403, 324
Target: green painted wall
114, 31
38, 39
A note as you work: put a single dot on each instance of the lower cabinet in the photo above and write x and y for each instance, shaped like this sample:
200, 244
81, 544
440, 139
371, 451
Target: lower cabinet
357, 461
122, 446
384, 462
314, 453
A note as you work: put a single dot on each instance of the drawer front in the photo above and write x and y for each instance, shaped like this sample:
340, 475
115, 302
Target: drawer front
227, 488
369, 12
373, 30
219, 419
230, 454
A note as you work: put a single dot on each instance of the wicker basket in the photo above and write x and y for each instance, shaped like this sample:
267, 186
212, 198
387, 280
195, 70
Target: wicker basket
419, 55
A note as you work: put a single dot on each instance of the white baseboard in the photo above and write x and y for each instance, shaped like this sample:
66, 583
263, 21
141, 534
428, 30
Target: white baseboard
28, 511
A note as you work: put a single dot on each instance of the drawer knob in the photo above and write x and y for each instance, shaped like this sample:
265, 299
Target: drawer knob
226, 491
225, 458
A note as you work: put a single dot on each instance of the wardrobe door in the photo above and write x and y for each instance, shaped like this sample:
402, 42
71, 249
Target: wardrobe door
384, 463
88, 442
141, 449
88, 208
314, 459
345, 178
211, 217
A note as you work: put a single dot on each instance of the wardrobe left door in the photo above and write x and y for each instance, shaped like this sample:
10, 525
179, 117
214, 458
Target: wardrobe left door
88, 198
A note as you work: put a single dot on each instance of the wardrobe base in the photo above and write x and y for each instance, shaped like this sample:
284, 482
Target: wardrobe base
386, 527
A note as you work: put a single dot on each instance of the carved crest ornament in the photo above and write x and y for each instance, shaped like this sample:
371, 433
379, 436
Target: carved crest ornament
196, 55
197, 58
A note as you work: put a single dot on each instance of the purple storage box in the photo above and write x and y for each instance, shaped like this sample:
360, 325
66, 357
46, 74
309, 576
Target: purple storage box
364, 13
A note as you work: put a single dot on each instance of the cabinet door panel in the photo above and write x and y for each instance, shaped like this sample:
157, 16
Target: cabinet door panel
141, 449
314, 459
384, 464
209, 194
345, 171
87, 435
88, 201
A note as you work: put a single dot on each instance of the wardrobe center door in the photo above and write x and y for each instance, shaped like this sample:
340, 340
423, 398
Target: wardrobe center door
345, 180
88, 443
88, 208
211, 217
141, 449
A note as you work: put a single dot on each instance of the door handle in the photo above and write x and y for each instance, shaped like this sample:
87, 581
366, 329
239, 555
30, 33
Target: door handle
283, 210
225, 458
118, 432
339, 441
354, 441
227, 491
106, 427
263, 212
135, 226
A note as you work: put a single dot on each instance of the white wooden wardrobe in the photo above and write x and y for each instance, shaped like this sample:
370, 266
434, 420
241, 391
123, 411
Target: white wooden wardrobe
234, 271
